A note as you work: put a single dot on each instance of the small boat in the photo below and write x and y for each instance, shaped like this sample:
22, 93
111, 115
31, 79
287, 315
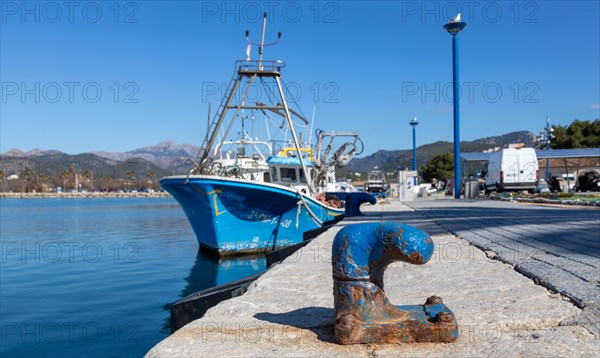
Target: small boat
252, 200
376, 183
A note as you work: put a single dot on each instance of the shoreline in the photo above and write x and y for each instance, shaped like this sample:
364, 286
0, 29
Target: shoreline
83, 195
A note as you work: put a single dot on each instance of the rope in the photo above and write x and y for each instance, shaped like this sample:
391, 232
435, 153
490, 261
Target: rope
298, 213
313, 216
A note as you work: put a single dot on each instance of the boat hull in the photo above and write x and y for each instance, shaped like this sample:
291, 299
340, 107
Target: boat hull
233, 216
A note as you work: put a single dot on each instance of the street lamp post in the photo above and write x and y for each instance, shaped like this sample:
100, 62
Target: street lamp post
413, 124
549, 137
454, 27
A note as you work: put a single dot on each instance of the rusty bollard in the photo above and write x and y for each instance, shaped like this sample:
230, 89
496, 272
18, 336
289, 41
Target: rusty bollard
363, 314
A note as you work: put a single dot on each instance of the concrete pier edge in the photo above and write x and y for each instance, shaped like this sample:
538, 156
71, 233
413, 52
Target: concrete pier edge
289, 310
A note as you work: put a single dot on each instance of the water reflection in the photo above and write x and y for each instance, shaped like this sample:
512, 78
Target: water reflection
210, 271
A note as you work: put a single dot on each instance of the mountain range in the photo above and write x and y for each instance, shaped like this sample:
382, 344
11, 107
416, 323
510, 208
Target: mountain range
390, 160
170, 158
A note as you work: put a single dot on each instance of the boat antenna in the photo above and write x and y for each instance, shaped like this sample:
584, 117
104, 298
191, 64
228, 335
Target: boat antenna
208, 122
243, 123
312, 122
262, 44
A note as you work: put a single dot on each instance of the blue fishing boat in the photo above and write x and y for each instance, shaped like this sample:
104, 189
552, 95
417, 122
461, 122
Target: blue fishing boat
250, 200
234, 215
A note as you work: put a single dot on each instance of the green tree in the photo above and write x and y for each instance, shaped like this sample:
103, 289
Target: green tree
579, 134
440, 167
25, 176
64, 178
41, 183
107, 183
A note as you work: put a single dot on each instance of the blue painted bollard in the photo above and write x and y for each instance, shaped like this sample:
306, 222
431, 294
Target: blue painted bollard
363, 314
353, 201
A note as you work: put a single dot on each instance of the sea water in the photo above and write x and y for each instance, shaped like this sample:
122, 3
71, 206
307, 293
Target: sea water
95, 277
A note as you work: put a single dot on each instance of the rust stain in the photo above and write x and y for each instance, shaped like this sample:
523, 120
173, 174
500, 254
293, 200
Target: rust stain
416, 258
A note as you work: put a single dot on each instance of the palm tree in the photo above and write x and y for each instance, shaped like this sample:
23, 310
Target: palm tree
89, 178
65, 178
106, 182
40, 183
152, 177
25, 177
128, 176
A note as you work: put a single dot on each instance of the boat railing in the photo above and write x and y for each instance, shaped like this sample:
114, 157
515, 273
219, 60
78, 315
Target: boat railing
241, 152
264, 67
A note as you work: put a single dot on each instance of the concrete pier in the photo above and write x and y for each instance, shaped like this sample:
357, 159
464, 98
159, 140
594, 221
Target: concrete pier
289, 310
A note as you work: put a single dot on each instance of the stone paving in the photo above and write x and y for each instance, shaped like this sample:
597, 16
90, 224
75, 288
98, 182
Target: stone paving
558, 247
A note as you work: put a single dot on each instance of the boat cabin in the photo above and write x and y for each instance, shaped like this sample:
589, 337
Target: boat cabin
287, 171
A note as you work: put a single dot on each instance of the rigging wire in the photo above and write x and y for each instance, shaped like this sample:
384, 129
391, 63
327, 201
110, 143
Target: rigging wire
272, 94
293, 100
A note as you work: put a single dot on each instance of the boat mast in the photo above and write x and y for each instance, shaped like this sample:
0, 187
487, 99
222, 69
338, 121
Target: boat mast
288, 117
254, 69
262, 40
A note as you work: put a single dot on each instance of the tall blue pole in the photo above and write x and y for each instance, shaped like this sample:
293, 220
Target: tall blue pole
414, 128
548, 137
453, 27
456, 99
413, 123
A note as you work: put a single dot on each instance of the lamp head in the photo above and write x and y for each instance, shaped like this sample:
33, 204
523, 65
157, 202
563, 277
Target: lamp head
414, 122
454, 28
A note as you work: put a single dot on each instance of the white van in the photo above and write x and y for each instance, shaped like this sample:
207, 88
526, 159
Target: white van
512, 169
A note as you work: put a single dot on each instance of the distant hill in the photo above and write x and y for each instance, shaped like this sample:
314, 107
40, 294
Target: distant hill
52, 163
169, 157
390, 160
34, 152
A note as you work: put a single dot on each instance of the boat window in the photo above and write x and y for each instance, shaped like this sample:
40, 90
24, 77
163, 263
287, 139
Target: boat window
274, 174
301, 176
288, 174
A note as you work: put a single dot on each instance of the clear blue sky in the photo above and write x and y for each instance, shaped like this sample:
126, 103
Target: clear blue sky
376, 65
